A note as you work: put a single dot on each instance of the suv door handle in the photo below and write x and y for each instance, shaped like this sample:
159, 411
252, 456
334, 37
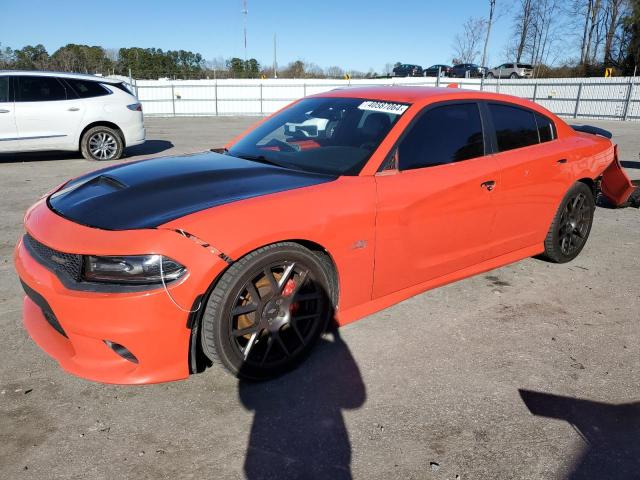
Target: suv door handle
489, 184
2, 110
73, 109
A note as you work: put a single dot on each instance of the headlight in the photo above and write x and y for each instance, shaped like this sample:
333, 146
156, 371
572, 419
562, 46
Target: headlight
132, 269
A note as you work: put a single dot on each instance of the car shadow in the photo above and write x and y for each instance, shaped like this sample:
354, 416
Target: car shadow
611, 433
150, 147
298, 427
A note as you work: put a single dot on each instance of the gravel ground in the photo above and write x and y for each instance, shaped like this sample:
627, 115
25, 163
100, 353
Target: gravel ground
529, 371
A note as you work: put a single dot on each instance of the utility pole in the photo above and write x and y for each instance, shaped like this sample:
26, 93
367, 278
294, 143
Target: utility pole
492, 8
245, 12
275, 57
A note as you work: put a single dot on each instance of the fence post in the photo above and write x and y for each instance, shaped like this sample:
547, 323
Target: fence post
173, 100
575, 112
304, 89
535, 91
261, 99
482, 83
438, 79
215, 91
627, 105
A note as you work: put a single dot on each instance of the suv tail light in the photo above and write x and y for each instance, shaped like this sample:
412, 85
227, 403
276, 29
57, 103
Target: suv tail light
136, 107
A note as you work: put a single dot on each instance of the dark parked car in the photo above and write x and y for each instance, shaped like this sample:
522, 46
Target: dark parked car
432, 71
407, 70
460, 70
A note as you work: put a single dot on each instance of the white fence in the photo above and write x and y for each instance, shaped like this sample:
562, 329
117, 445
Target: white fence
604, 98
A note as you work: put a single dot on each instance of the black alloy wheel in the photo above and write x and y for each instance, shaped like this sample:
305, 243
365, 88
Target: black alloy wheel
268, 311
571, 225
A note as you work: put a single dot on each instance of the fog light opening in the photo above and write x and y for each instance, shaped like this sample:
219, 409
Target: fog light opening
121, 351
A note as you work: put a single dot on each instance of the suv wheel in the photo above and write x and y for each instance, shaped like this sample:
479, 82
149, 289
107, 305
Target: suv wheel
102, 143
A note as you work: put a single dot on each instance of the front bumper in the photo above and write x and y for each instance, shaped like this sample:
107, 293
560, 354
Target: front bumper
147, 322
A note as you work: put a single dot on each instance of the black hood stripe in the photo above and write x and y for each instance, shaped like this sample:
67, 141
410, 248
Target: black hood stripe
149, 193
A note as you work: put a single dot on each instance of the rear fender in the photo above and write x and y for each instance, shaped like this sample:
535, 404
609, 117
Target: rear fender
615, 184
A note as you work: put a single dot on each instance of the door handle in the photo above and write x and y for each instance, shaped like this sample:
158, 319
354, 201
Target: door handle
73, 109
562, 160
2, 110
489, 184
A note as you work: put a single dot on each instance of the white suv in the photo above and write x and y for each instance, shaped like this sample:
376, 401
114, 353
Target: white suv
62, 111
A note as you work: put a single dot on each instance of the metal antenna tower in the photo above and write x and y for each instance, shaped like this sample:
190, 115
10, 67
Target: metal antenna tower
245, 12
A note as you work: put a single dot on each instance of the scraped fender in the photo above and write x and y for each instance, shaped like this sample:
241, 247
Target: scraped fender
616, 185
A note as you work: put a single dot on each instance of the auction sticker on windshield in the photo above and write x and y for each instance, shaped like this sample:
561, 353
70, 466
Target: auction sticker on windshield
386, 107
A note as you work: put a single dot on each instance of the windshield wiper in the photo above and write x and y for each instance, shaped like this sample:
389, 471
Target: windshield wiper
257, 158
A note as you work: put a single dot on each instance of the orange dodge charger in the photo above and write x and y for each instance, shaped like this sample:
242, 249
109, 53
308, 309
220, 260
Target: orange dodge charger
335, 207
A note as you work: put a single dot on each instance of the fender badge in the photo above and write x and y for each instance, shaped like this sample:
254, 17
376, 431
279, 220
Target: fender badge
359, 244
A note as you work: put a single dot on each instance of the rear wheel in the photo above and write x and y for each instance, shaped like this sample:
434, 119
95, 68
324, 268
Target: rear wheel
268, 310
102, 143
571, 225
490, 76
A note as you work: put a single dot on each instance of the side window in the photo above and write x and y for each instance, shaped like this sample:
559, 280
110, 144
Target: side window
4, 89
86, 89
445, 134
40, 89
546, 129
515, 127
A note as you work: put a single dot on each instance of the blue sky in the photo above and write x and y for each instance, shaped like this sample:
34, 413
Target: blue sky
355, 34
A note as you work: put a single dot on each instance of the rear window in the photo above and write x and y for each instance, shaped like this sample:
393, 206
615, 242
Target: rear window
87, 89
120, 86
40, 89
4, 89
515, 127
546, 128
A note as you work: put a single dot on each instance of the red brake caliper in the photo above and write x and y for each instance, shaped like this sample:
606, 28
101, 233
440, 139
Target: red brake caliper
288, 290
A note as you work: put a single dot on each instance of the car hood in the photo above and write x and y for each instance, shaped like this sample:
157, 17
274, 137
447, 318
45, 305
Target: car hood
148, 193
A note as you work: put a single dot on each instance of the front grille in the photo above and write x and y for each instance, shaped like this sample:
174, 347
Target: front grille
44, 306
60, 263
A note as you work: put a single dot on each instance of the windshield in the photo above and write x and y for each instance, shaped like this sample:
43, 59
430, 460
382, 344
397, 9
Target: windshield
334, 136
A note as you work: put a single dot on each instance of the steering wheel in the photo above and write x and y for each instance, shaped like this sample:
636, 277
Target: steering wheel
284, 146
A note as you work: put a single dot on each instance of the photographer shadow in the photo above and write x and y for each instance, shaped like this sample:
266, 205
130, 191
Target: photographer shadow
611, 433
298, 429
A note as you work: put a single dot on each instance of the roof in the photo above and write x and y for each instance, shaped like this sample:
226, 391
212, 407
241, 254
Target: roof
80, 76
404, 94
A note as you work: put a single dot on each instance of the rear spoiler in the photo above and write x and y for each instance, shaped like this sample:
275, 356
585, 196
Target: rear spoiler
592, 130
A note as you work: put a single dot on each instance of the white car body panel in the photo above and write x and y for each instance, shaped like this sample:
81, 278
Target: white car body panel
59, 124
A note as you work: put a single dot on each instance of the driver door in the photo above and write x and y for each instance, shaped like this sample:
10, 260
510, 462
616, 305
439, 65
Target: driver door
436, 211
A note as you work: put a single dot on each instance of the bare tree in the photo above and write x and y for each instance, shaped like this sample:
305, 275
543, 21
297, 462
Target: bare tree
467, 43
614, 10
523, 19
492, 8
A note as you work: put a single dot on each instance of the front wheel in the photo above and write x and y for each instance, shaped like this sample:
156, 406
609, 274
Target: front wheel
268, 310
102, 143
514, 75
571, 225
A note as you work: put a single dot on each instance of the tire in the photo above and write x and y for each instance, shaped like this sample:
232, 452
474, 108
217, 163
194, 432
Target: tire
490, 76
97, 137
571, 225
514, 75
261, 332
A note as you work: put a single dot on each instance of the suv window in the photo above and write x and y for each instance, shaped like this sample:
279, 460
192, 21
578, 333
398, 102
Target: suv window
445, 134
4, 89
40, 89
87, 89
546, 128
515, 127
